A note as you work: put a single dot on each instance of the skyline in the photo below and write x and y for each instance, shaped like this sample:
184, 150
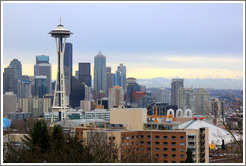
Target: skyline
170, 40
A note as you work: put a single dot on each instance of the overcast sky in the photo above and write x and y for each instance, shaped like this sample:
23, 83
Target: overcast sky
188, 40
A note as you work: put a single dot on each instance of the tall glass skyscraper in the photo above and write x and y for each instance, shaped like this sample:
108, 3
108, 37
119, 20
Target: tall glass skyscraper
43, 67
68, 66
100, 73
120, 77
40, 86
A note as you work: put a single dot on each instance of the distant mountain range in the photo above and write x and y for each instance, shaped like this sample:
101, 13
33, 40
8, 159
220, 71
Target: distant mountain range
195, 83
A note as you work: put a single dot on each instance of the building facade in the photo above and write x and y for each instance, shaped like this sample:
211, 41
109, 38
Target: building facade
116, 96
163, 96
9, 103
43, 67
84, 73
68, 67
100, 73
120, 77
175, 85
186, 99
202, 102
41, 87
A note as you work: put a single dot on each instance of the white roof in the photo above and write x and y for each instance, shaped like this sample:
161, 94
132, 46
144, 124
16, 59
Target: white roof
216, 134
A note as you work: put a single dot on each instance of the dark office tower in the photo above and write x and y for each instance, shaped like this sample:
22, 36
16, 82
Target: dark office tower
84, 74
109, 79
43, 67
100, 73
13, 73
68, 66
18, 68
9, 80
175, 85
132, 87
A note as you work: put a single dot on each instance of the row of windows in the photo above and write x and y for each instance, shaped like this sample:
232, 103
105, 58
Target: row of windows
181, 156
149, 143
157, 149
149, 137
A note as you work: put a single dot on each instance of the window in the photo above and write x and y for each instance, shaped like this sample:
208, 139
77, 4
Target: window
181, 150
157, 149
148, 136
123, 150
181, 156
133, 137
132, 143
148, 149
165, 143
181, 144
173, 143
181, 137
173, 161
173, 149
165, 161
165, 155
165, 149
137, 136
182, 161
165, 137
122, 144
122, 138
173, 155
127, 137
137, 143
173, 137
142, 142
127, 144
157, 143
142, 149
148, 143
157, 155
157, 137
142, 136
137, 149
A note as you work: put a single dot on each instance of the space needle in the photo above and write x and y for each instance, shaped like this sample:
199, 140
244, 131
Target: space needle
60, 100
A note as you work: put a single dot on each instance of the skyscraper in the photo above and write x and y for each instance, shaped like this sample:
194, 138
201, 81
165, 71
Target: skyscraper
109, 79
163, 96
41, 86
100, 73
186, 99
84, 74
24, 89
68, 66
175, 85
202, 102
132, 87
116, 96
9, 80
12, 74
43, 67
120, 77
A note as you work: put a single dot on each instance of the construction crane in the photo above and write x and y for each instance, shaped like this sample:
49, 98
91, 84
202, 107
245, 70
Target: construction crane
156, 116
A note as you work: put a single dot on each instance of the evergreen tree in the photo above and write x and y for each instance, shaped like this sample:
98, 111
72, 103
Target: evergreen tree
189, 158
223, 145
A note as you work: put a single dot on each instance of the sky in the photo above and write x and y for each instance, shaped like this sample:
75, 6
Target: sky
185, 40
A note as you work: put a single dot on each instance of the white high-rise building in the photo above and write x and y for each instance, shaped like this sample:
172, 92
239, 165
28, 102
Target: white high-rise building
186, 99
202, 102
163, 96
116, 97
